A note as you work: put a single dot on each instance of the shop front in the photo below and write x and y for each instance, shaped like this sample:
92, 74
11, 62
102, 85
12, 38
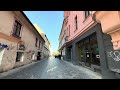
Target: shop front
39, 55
88, 51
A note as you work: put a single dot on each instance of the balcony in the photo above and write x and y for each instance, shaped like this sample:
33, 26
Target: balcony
16, 36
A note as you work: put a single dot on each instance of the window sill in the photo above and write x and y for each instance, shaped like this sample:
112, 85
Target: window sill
18, 37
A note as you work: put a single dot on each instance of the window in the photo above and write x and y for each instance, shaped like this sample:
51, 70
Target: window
36, 42
65, 32
39, 43
76, 23
69, 31
41, 46
17, 29
87, 13
19, 57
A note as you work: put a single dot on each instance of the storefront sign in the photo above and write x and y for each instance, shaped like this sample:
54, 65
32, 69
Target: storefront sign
113, 58
3, 46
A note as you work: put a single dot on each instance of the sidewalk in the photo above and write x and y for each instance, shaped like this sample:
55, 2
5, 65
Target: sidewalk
9, 72
97, 75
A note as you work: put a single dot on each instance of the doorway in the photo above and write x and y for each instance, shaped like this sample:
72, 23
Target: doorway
20, 57
69, 53
33, 56
39, 56
1, 54
81, 51
87, 53
94, 50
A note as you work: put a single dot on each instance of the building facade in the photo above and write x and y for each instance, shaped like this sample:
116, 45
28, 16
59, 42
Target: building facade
47, 44
20, 42
83, 42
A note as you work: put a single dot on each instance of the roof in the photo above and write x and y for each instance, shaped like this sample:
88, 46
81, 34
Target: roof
38, 28
31, 24
41, 32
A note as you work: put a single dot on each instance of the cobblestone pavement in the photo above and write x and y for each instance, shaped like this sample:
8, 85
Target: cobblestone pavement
51, 68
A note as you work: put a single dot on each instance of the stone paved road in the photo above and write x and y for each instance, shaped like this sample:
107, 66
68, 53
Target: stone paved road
51, 68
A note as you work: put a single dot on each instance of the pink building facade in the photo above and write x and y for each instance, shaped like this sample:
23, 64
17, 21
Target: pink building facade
83, 42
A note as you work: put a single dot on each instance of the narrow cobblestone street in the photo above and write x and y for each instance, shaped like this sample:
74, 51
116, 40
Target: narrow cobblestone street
51, 68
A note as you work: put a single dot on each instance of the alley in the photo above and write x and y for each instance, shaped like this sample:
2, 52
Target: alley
51, 68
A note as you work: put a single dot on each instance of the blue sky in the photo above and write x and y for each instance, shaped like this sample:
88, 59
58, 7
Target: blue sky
50, 22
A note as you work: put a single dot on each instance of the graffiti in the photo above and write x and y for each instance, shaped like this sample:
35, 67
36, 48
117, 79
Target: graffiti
116, 70
115, 55
3, 46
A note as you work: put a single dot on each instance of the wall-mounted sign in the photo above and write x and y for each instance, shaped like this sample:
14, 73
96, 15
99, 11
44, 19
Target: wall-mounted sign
113, 58
3, 46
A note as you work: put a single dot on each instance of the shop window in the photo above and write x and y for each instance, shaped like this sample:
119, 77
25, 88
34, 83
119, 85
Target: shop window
33, 56
17, 29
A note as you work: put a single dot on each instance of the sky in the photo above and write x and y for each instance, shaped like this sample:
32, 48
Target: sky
50, 22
